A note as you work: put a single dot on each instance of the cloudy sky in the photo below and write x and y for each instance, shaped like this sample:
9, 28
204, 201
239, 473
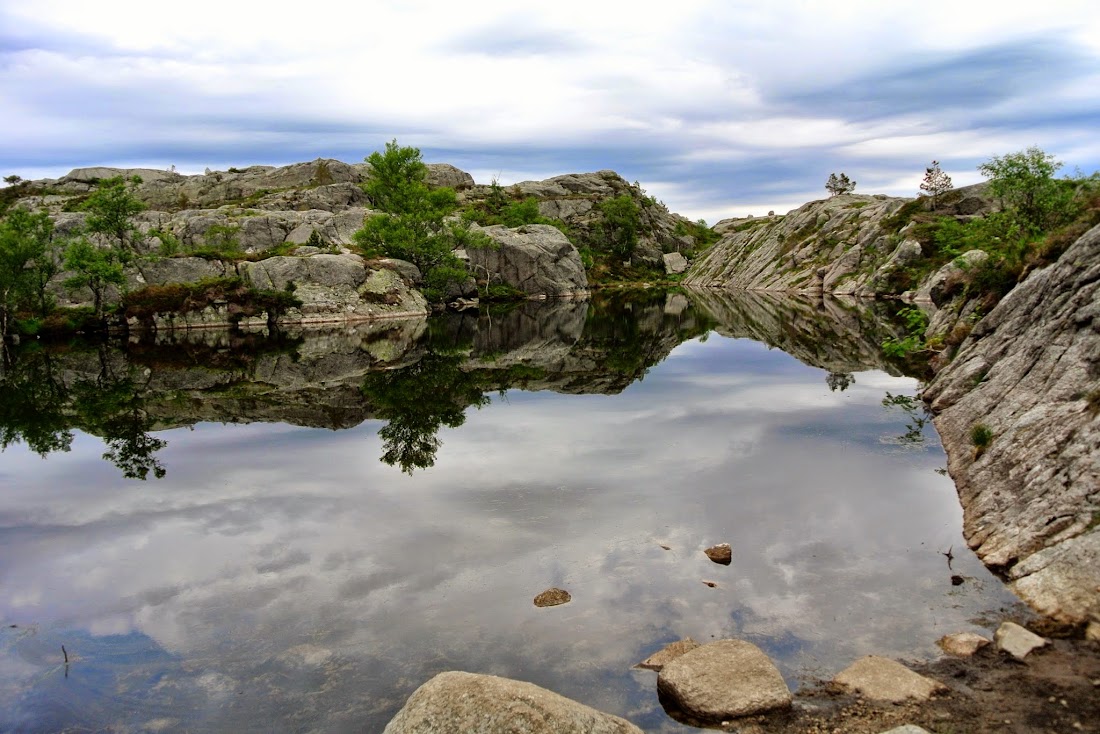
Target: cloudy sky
718, 108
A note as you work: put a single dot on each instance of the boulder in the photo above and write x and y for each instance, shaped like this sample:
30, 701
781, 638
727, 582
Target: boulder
667, 654
962, 644
444, 174
1016, 640
455, 702
334, 288
177, 270
536, 259
722, 680
882, 679
552, 598
675, 263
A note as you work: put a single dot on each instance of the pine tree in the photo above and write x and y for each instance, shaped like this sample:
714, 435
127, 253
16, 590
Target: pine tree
936, 183
837, 185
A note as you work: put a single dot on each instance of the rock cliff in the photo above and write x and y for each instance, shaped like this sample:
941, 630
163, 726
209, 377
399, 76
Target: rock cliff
1018, 409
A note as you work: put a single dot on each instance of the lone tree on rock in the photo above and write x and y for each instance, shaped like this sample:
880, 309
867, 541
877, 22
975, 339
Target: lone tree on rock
936, 183
837, 185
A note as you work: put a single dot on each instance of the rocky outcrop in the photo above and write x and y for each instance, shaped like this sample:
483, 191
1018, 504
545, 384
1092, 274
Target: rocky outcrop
335, 288
839, 245
486, 704
845, 245
1018, 410
574, 200
536, 259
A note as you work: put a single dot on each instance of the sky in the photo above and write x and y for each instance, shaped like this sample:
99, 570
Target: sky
718, 108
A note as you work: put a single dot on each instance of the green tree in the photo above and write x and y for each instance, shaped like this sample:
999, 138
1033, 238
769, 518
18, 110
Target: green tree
24, 247
95, 268
1024, 181
111, 208
837, 185
620, 224
412, 225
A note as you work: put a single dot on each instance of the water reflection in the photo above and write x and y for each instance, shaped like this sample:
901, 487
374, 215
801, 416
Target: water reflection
279, 576
418, 376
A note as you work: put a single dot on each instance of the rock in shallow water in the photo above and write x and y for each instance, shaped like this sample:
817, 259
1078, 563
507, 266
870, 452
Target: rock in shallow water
552, 598
455, 702
722, 680
721, 553
962, 644
667, 654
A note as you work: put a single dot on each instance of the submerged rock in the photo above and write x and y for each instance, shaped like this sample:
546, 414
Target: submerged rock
882, 679
721, 553
667, 654
455, 702
722, 680
552, 598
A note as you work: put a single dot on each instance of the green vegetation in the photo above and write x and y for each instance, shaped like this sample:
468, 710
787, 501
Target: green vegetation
239, 299
95, 268
620, 224
111, 208
837, 185
981, 436
412, 226
915, 322
26, 264
1025, 184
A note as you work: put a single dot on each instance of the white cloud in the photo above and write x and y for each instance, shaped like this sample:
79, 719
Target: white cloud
671, 91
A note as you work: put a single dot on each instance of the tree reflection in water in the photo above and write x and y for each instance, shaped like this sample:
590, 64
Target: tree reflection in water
37, 408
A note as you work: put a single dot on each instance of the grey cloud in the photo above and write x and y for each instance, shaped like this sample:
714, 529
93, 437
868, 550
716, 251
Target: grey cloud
965, 81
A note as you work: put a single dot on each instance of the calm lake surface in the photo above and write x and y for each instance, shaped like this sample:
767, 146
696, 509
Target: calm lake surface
328, 519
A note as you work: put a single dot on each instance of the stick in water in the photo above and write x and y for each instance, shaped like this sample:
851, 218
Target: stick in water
65, 654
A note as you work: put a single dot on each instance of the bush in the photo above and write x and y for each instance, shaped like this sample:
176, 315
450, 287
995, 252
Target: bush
981, 436
620, 224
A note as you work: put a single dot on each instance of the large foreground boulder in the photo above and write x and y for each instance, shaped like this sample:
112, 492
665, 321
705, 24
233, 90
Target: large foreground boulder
456, 702
722, 680
536, 259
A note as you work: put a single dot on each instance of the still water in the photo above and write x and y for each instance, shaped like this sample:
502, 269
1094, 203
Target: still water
232, 533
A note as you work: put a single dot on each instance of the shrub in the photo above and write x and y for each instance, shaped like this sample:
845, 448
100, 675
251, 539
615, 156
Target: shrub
981, 436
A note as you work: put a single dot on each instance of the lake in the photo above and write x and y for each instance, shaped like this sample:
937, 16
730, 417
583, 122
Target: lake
244, 532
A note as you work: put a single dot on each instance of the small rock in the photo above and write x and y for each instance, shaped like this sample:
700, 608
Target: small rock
552, 598
720, 553
669, 652
664, 547
957, 580
962, 644
882, 679
1092, 632
711, 584
907, 729
723, 680
1017, 641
